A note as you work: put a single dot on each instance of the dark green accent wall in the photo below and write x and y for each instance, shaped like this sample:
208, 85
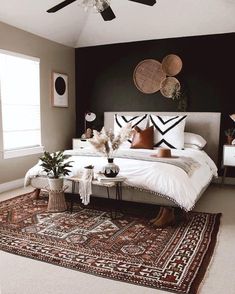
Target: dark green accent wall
104, 77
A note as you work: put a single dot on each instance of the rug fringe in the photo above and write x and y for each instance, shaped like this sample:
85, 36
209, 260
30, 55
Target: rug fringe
212, 259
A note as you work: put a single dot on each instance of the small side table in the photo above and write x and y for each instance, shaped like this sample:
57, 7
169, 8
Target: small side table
75, 182
112, 182
103, 182
228, 159
79, 143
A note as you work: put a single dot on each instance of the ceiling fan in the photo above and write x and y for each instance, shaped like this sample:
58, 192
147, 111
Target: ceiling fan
101, 6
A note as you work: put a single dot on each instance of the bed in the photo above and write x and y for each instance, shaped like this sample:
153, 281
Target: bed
153, 181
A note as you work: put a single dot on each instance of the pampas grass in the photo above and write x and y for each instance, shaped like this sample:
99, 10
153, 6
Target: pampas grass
106, 143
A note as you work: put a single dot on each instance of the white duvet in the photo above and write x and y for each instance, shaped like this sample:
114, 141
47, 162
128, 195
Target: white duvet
160, 178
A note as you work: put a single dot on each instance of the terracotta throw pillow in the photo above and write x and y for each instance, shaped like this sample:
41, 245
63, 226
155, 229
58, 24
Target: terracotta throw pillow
142, 139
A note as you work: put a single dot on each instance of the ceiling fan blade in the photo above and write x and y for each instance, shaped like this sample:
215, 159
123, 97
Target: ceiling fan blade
60, 6
108, 14
145, 2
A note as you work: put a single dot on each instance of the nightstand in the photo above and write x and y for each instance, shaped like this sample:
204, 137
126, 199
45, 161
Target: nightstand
79, 143
228, 158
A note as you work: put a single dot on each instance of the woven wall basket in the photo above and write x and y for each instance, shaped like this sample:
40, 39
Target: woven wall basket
172, 65
169, 86
148, 76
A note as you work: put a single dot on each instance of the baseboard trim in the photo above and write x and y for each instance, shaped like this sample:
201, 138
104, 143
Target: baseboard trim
227, 181
11, 185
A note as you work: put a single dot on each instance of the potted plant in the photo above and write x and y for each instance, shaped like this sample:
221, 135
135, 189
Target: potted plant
56, 165
230, 135
180, 95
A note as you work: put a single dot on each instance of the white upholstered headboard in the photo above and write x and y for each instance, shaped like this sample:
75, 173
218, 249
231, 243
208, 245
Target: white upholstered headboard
206, 124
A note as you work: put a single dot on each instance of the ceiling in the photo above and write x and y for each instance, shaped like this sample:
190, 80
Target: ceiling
74, 27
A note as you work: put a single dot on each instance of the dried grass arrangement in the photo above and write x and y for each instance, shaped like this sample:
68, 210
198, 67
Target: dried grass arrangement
106, 143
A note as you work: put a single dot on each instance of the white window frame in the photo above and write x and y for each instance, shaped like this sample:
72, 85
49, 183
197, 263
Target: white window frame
19, 152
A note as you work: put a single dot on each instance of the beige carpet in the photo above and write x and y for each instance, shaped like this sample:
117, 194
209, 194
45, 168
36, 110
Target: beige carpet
20, 275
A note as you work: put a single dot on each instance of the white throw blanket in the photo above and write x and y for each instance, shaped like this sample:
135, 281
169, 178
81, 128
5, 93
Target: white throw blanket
187, 164
85, 188
159, 178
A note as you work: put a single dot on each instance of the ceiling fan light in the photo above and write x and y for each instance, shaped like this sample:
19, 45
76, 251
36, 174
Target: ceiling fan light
101, 5
97, 5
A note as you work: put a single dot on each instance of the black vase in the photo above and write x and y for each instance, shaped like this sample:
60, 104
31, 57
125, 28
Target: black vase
111, 170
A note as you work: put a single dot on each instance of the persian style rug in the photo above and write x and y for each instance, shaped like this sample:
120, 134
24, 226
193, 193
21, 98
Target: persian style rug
126, 248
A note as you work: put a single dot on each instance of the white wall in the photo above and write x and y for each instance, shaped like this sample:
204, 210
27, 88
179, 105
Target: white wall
58, 124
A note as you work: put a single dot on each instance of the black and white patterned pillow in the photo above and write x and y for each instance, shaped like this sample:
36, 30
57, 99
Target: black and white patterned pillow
121, 120
168, 131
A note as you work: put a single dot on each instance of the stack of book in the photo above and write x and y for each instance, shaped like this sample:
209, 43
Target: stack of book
102, 178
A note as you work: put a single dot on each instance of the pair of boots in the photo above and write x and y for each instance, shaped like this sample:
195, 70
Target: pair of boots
165, 217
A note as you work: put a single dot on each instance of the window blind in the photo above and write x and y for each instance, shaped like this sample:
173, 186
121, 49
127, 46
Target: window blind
20, 99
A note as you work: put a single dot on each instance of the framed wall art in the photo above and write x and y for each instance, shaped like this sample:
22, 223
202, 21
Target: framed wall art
59, 89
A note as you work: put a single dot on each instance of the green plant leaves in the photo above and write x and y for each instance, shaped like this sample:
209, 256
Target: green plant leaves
230, 132
55, 164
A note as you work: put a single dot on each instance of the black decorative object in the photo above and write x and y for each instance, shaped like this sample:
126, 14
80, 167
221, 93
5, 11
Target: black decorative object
59, 89
60, 86
111, 170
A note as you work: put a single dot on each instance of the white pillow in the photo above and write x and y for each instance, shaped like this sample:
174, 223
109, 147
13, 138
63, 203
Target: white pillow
168, 131
194, 141
191, 146
121, 120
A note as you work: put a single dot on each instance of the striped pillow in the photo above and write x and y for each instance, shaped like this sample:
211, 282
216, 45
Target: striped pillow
121, 120
168, 131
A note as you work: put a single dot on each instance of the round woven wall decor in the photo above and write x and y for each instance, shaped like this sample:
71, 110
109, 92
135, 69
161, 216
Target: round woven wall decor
169, 86
148, 76
172, 65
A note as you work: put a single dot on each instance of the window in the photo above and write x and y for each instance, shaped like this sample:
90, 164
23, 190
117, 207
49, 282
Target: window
20, 104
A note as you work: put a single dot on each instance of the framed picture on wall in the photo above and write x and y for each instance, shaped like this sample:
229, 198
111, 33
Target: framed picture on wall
59, 89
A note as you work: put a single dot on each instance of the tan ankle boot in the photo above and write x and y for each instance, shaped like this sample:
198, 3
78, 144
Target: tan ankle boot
158, 215
167, 218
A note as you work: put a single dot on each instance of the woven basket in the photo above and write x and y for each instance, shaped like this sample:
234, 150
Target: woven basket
172, 65
148, 76
56, 202
169, 86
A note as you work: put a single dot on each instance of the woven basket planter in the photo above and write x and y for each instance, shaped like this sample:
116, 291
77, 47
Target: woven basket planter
56, 202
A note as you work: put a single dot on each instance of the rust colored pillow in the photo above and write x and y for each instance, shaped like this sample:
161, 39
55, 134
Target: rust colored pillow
142, 139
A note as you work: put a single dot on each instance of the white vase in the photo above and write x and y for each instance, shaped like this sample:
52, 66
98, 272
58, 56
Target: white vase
56, 184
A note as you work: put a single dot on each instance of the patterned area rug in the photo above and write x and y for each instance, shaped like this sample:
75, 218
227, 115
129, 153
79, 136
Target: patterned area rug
127, 248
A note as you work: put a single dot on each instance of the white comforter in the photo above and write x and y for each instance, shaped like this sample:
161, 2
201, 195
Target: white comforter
157, 177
